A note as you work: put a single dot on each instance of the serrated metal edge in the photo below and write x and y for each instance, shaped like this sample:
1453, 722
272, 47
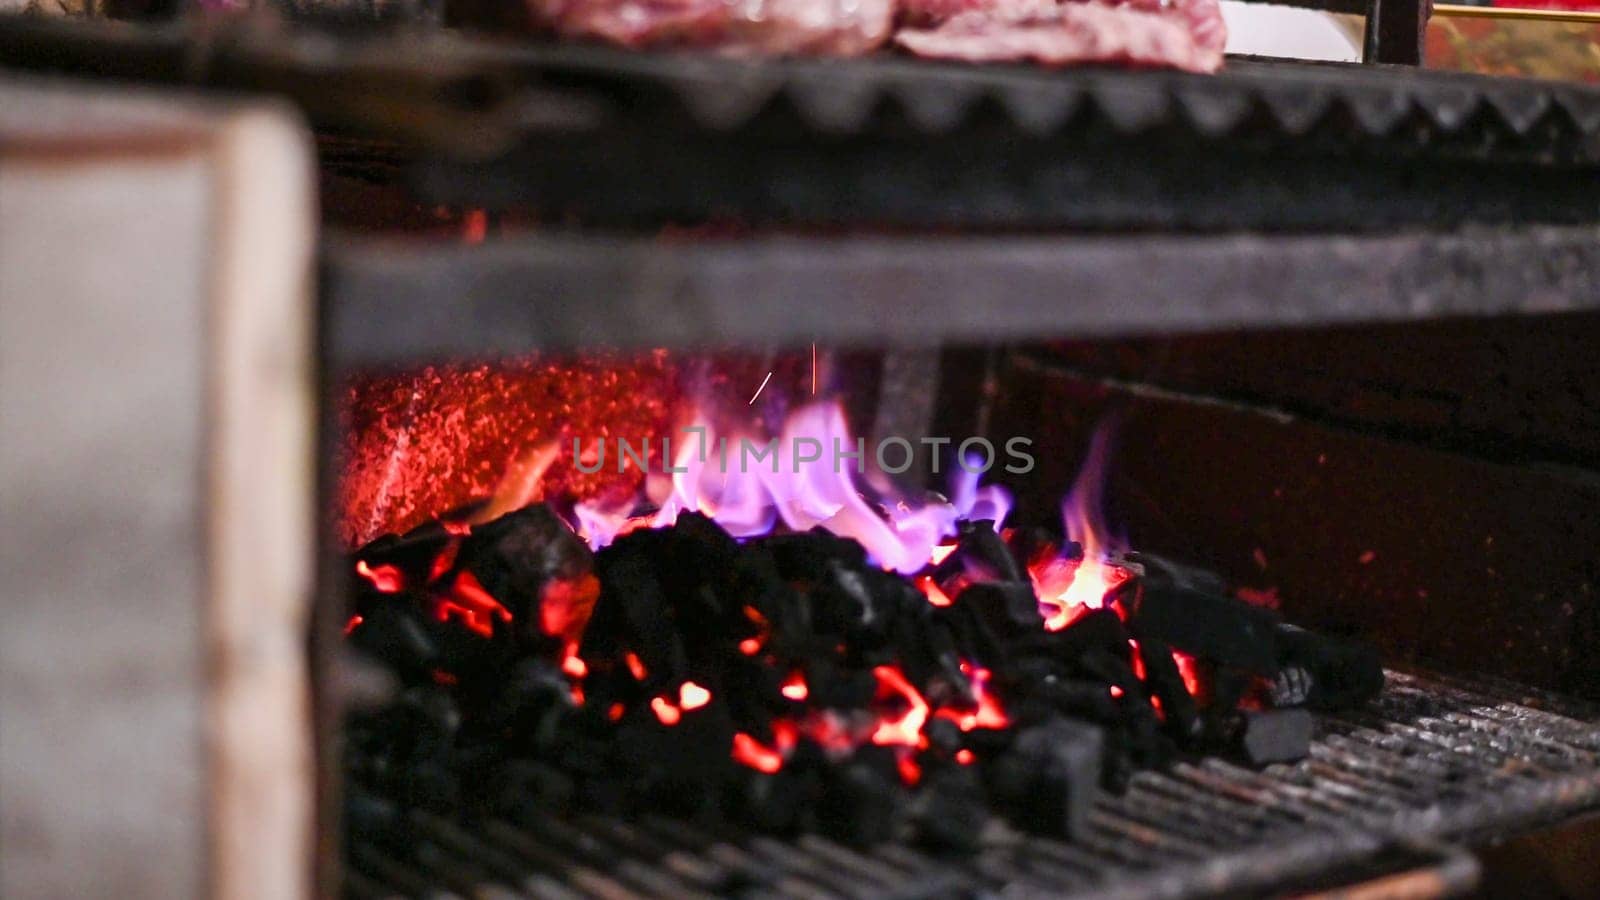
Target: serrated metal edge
1042, 110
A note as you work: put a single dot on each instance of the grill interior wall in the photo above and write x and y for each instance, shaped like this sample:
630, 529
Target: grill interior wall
1428, 486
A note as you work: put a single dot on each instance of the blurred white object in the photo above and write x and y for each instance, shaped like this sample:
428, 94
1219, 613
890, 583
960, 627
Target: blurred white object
1266, 30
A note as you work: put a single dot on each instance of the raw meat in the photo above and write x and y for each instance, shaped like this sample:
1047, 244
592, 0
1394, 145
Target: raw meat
739, 27
1183, 34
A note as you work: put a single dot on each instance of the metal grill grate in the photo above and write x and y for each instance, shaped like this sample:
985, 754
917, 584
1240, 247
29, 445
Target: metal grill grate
1434, 759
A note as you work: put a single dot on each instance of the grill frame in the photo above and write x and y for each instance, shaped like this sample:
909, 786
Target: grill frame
1434, 764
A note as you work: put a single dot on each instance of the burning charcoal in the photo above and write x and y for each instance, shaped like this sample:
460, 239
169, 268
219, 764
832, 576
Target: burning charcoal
1162, 677
949, 812
860, 799
394, 562
534, 565
395, 633
1210, 626
926, 648
533, 702
943, 735
975, 641
857, 602
421, 725
800, 557
1117, 765
1116, 670
1228, 688
1325, 673
982, 554
523, 787
1165, 573
1099, 629
1008, 609
1078, 697
633, 615
1147, 744
774, 802
1050, 776
754, 693
834, 687
678, 759
1274, 735
1032, 544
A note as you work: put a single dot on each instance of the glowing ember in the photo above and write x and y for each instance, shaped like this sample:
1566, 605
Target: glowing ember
906, 729
988, 714
352, 625
387, 579
636, 666
750, 646
1189, 669
472, 605
445, 561
965, 757
693, 696
910, 772
665, 711
750, 752
565, 606
794, 687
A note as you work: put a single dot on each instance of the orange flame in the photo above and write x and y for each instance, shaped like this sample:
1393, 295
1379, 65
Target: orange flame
933, 592
522, 484
1069, 588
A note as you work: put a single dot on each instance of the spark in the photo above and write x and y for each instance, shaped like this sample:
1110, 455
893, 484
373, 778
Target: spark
759, 390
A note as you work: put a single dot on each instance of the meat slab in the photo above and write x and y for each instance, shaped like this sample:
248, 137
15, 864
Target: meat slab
738, 27
1183, 34
1180, 34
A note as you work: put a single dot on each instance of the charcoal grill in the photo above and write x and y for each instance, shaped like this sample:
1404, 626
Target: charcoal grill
578, 133
1436, 760
1005, 205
